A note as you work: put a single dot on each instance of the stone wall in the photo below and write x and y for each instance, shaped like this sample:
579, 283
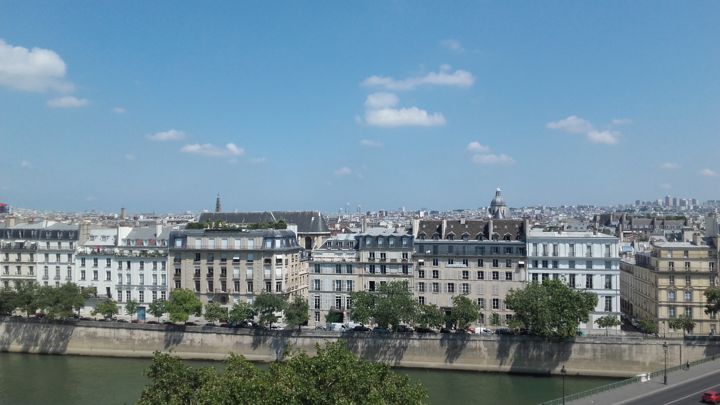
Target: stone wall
606, 356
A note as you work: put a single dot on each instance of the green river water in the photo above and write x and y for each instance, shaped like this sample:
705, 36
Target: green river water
58, 380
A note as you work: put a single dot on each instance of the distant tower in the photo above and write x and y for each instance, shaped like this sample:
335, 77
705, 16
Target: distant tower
497, 209
218, 207
123, 213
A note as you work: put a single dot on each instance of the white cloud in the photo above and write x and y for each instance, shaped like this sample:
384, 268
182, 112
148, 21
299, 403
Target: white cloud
603, 137
621, 121
444, 77
493, 159
67, 102
343, 171
708, 173
576, 125
477, 147
171, 135
118, 110
33, 69
381, 100
25, 164
403, 117
210, 150
571, 124
129, 156
670, 166
453, 45
258, 160
370, 143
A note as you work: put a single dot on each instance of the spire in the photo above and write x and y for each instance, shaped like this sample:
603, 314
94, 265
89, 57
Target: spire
218, 207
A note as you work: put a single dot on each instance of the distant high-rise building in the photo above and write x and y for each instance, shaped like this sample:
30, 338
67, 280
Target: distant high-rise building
218, 206
667, 201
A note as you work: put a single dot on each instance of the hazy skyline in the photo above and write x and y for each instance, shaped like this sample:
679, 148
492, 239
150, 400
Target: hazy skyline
159, 106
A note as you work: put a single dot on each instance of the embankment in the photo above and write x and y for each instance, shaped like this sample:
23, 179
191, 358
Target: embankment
592, 356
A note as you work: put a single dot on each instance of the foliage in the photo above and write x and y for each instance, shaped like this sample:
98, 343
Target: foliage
333, 376
196, 225
712, 296
8, 301
495, 320
268, 225
157, 308
106, 308
266, 305
27, 296
551, 309
429, 316
648, 326
296, 312
131, 307
241, 311
61, 302
334, 316
215, 312
392, 305
682, 322
182, 304
607, 321
464, 312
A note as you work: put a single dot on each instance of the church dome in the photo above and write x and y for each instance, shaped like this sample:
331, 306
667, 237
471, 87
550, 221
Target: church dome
497, 209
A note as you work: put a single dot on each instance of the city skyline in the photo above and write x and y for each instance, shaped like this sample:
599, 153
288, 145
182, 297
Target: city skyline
385, 105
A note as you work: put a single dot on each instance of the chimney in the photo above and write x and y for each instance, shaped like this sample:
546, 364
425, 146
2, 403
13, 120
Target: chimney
490, 229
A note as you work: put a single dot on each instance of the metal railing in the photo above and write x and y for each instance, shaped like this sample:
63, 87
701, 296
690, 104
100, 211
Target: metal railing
622, 383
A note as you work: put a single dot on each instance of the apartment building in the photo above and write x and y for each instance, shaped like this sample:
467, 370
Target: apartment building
588, 261
125, 263
482, 259
41, 251
228, 266
334, 275
670, 281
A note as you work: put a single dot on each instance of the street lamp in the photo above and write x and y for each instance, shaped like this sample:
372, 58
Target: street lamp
563, 372
665, 349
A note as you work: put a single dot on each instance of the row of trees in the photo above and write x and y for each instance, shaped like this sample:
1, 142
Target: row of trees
394, 305
54, 302
333, 376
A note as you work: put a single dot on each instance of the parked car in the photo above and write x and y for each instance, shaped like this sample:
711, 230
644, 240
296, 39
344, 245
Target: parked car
445, 330
424, 330
121, 321
360, 328
152, 322
483, 331
190, 324
504, 331
711, 397
403, 329
379, 329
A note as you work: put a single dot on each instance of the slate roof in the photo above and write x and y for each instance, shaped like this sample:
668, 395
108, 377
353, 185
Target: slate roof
306, 221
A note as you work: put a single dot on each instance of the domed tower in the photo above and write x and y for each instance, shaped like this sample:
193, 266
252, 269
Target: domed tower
498, 209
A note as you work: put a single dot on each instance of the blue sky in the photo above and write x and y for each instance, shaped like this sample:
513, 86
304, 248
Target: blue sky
157, 106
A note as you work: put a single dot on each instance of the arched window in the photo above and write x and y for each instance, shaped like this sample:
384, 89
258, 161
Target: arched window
507, 236
465, 237
480, 236
421, 236
436, 236
495, 236
451, 236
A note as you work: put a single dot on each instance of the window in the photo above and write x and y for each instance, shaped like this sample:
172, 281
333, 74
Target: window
687, 266
554, 264
481, 275
348, 269
236, 286
589, 264
436, 274
571, 250
250, 287
608, 304
436, 287
508, 263
421, 273
508, 276
371, 269
545, 276
108, 262
465, 275
671, 266
268, 286
142, 296
608, 282
383, 269
608, 251
128, 295
421, 300
421, 287
572, 281
608, 265
349, 285
316, 302
316, 285
496, 275
687, 295
338, 285
671, 312
671, 279
481, 263
481, 303
534, 277
535, 264
689, 312
495, 303
671, 296
95, 275
687, 280
588, 250
496, 263
278, 286
555, 249
119, 295
544, 264
589, 282
451, 287
466, 288
435, 262
316, 269
571, 264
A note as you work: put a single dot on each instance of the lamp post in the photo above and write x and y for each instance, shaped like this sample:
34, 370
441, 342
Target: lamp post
563, 372
665, 349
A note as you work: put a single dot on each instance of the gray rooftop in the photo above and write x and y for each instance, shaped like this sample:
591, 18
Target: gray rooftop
305, 221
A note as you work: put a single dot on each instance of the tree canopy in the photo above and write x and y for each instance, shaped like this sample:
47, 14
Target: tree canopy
712, 296
241, 311
157, 308
61, 302
682, 322
648, 326
296, 312
131, 307
182, 304
106, 308
390, 306
333, 376
551, 308
607, 321
464, 312
429, 316
214, 312
267, 305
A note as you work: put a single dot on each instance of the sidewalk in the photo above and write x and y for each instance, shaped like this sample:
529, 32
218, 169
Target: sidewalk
634, 390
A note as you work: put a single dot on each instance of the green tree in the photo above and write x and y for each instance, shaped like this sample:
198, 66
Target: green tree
157, 308
335, 316
682, 322
463, 312
106, 308
712, 296
363, 308
333, 376
61, 302
131, 308
551, 308
267, 305
392, 305
607, 321
27, 296
495, 320
215, 312
240, 312
182, 304
297, 313
648, 326
429, 316
8, 301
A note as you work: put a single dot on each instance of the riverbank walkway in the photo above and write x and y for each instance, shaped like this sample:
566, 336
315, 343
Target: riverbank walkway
685, 385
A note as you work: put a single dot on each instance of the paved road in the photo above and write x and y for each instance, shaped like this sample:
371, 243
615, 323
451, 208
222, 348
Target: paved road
684, 387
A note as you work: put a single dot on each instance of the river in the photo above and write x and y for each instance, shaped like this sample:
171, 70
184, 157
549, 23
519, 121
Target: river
46, 379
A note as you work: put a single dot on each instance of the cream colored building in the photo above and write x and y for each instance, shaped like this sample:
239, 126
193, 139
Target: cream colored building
670, 281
